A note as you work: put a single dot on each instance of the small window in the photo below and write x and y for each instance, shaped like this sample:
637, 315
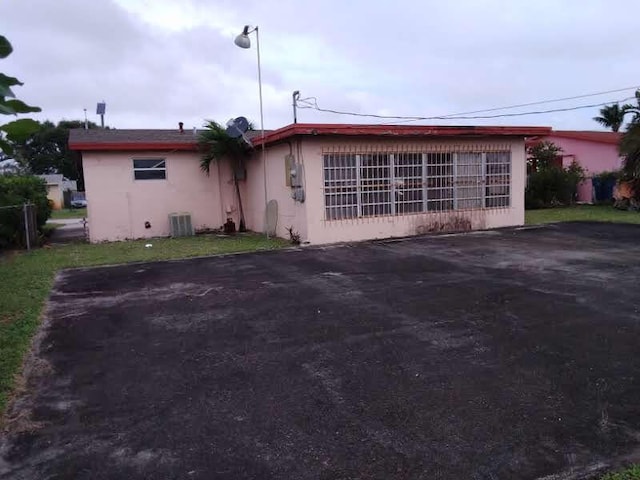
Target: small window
149, 169
340, 186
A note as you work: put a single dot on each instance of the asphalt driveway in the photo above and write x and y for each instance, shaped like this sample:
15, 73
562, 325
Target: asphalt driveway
493, 355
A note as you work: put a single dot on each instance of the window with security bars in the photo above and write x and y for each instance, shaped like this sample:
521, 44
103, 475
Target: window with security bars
149, 169
379, 184
340, 186
498, 180
375, 185
439, 181
469, 181
408, 183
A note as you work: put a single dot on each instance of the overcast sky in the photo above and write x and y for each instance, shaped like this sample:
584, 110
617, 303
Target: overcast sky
157, 62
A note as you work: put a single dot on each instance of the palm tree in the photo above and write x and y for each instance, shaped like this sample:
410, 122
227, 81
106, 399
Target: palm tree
630, 149
612, 116
215, 145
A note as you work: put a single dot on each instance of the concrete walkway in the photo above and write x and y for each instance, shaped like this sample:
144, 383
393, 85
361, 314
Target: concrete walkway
70, 230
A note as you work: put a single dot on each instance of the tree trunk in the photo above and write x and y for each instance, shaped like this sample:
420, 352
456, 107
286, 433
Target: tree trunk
242, 226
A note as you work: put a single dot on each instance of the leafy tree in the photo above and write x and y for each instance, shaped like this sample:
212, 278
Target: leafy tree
216, 145
16, 190
630, 150
47, 150
635, 109
543, 155
612, 116
9, 105
549, 184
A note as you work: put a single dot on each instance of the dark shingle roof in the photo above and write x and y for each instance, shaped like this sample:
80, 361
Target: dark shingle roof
138, 139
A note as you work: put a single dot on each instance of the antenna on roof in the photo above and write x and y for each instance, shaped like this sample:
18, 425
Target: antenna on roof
100, 110
295, 96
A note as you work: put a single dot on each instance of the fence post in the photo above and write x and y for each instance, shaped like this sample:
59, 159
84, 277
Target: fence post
27, 231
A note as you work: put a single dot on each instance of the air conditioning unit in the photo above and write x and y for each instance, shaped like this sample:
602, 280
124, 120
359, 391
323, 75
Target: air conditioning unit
180, 224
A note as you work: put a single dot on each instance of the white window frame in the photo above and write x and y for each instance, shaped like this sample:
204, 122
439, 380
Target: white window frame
145, 169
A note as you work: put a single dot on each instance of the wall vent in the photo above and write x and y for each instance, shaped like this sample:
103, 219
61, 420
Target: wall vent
180, 224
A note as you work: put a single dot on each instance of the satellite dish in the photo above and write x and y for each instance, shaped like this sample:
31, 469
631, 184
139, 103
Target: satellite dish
237, 126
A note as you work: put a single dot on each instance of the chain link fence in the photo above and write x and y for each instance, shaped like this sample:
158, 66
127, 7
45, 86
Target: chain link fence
18, 225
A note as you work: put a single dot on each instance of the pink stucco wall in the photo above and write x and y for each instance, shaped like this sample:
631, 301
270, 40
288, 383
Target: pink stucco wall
321, 231
308, 218
594, 157
290, 212
119, 206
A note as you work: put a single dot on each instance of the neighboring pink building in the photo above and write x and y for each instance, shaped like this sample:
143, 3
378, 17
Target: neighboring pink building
330, 183
596, 152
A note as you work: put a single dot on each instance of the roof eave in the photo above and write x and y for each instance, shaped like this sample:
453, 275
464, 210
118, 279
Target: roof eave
396, 131
130, 146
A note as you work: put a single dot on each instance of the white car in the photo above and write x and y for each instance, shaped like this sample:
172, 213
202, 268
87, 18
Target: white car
79, 203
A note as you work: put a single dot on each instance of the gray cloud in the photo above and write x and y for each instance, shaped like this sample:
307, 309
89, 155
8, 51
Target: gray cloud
159, 62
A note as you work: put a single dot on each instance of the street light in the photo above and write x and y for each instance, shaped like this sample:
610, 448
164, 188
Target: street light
243, 41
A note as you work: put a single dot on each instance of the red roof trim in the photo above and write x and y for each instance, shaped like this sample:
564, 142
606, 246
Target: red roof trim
154, 146
396, 131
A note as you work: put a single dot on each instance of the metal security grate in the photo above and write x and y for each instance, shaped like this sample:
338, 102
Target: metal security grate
372, 182
498, 179
468, 181
439, 181
375, 185
408, 183
340, 186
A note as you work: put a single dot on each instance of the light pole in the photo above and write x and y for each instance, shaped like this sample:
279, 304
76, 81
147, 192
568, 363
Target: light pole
243, 41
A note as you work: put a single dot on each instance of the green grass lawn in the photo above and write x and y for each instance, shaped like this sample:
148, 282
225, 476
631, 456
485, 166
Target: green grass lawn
68, 213
28, 277
581, 213
630, 473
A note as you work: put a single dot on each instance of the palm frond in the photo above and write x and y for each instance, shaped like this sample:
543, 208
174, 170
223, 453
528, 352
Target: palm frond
215, 144
612, 116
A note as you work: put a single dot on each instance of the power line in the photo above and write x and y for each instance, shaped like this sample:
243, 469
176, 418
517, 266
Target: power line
315, 106
545, 101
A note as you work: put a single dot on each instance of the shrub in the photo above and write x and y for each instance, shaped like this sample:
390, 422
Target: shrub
608, 175
553, 186
17, 190
630, 473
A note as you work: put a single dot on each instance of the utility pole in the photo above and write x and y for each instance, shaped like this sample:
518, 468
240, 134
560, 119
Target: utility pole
296, 96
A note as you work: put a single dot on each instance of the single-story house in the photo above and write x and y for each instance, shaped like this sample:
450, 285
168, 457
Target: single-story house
596, 152
328, 183
56, 186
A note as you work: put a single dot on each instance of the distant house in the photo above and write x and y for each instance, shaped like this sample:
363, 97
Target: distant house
56, 186
328, 183
596, 152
